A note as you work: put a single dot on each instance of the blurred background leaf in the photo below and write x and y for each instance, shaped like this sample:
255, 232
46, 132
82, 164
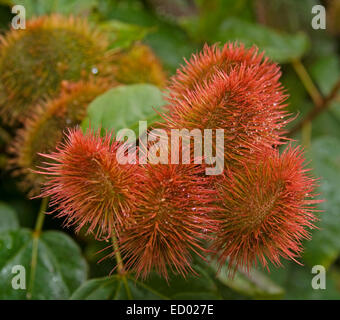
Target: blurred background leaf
324, 247
60, 267
281, 47
124, 106
67, 7
169, 41
112, 288
8, 218
123, 35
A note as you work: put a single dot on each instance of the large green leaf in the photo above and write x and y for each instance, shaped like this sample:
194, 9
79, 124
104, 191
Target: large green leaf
281, 47
297, 281
124, 106
60, 268
255, 285
171, 44
8, 218
211, 14
325, 71
155, 287
121, 34
287, 15
199, 286
42, 7
328, 122
325, 245
113, 288
169, 41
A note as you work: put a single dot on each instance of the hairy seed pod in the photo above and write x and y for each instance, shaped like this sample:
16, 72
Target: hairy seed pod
171, 219
202, 67
266, 210
138, 64
87, 184
34, 61
44, 130
245, 103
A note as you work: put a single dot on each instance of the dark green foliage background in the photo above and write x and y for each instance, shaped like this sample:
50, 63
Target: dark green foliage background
67, 263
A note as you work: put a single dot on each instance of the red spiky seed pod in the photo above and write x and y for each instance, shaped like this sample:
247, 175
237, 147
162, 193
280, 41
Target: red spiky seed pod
248, 107
171, 220
87, 184
211, 60
266, 210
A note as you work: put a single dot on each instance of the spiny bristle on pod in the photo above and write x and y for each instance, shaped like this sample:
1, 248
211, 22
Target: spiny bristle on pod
138, 64
44, 130
245, 103
212, 59
266, 210
171, 220
34, 61
88, 186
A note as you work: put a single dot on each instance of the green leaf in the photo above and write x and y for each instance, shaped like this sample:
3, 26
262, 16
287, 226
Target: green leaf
200, 286
324, 247
59, 271
298, 96
253, 285
211, 14
8, 218
287, 15
206, 284
297, 281
281, 47
155, 287
42, 7
112, 288
169, 41
328, 122
124, 106
325, 71
171, 44
123, 35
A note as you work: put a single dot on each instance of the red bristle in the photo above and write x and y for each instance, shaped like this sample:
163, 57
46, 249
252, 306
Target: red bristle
88, 186
172, 218
266, 210
246, 99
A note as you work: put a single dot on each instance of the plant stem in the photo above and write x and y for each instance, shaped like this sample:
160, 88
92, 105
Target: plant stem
318, 109
120, 265
306, 135
307, 82
35, 245
315, 95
